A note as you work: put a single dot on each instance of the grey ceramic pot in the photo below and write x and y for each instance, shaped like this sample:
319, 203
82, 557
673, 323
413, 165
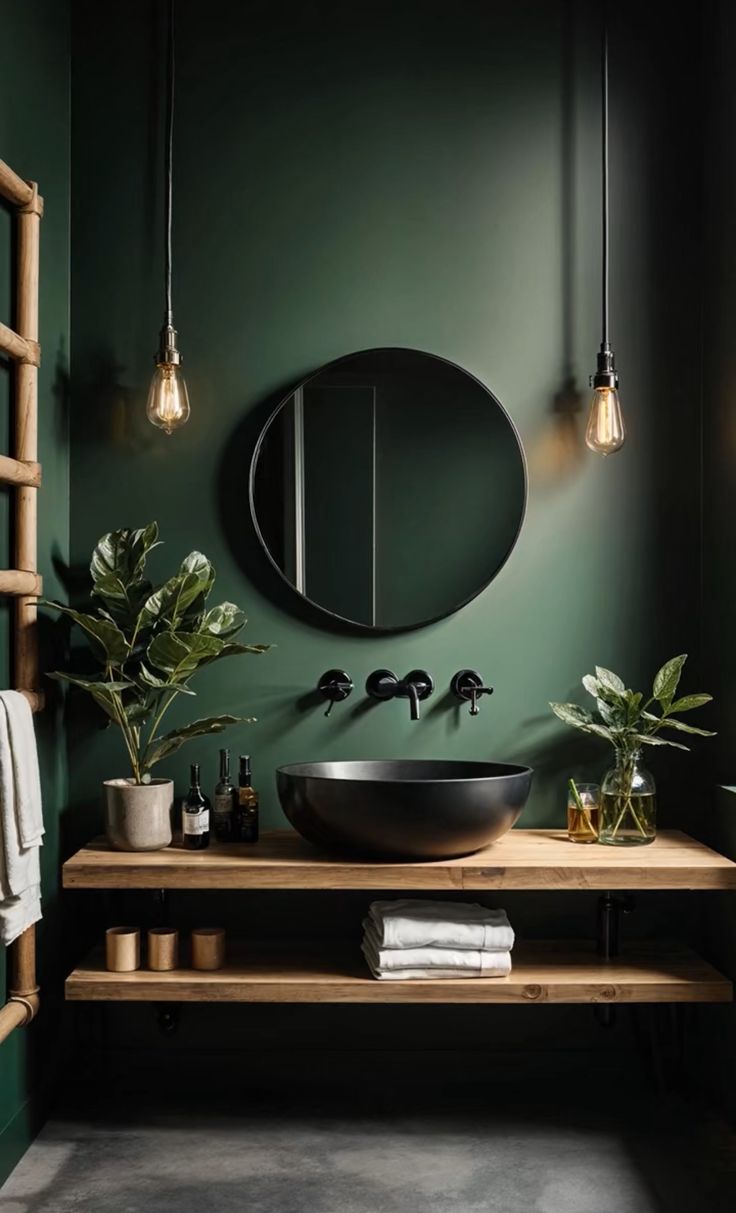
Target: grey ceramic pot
139, 815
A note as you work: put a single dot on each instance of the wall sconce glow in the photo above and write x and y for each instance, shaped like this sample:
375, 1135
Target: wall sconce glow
168, 399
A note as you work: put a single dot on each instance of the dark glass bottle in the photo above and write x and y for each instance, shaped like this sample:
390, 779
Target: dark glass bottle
247, 805
195, 815
223, 808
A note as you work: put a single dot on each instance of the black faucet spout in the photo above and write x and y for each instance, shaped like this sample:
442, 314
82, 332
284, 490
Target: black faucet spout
417, 685
412, 691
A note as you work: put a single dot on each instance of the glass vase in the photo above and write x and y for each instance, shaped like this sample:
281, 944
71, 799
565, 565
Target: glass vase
628, 804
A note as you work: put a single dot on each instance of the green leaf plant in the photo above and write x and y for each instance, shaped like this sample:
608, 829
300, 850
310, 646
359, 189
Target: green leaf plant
149, 642
628, 720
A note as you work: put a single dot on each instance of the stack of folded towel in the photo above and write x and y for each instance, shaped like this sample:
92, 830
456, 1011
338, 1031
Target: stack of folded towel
429, 939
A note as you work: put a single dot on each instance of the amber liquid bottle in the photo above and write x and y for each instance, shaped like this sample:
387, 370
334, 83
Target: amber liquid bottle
246, 812
195, 815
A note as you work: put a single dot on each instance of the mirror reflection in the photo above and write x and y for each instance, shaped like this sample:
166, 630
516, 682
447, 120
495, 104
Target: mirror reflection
388, 488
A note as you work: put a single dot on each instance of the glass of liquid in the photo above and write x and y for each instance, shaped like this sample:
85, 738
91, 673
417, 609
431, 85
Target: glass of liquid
583, 811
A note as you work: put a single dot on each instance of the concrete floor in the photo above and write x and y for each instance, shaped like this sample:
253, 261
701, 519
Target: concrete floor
647, 1156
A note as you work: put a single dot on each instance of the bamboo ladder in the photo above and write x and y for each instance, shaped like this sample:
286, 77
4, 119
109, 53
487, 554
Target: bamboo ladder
23, 474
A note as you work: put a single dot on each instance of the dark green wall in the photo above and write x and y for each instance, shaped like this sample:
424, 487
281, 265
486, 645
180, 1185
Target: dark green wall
421, 175
417, 175
34, 140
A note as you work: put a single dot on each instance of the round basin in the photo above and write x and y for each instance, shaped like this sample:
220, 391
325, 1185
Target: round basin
403, 809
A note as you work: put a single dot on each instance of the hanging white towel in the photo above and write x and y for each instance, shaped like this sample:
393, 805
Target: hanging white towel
409, 923
21, 818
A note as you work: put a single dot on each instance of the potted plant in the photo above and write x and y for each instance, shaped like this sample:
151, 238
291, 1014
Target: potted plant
149, 642
628, 722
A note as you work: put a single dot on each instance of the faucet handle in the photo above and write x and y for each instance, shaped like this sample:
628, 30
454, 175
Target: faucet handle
422, 681
335, 685
467, 686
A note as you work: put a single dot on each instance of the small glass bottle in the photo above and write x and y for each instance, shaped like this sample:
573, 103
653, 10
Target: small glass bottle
246, 812
195, 815
223, 808
628, 803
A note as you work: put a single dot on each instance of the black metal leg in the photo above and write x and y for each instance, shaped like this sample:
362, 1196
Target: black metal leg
608, 941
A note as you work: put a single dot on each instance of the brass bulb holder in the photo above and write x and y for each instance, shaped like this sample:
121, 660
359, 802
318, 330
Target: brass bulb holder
168, 352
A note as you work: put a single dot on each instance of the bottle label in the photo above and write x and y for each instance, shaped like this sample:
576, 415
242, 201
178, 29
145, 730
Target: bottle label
196, 823
223, 804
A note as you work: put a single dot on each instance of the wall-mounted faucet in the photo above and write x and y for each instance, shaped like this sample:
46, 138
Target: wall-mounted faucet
335, 685
467, 686
417, 685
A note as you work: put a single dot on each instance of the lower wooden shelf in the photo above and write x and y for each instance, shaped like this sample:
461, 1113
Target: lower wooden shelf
544, 972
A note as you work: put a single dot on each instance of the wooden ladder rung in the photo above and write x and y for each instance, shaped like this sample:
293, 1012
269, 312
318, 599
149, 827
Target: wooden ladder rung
17, 581
13, 188
15, 471
20, 348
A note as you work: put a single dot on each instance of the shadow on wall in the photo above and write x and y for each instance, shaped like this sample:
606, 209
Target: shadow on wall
558, 449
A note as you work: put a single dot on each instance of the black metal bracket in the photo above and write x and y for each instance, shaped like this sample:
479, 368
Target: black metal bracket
161, 907
168, 1017
608, 941
610, 908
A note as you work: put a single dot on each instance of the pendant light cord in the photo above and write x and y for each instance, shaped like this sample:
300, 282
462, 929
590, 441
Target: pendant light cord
604, 169
169, 160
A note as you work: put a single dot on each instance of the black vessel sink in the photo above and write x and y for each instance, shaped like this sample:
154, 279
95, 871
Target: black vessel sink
403, 809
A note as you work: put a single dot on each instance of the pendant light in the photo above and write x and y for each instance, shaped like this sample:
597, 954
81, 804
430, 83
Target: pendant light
168, 399
605, 432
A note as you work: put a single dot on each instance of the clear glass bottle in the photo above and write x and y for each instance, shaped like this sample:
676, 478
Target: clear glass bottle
628, 803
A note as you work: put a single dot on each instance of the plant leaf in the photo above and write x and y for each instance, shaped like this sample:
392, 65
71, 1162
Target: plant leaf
609, 680
688, 702
171, 602
571, 714
600, 730
224, 620
667, 679
106, 694
647, 739
591, 684
147, 678
235, 649
122, 554
576, 716
179, 654
162, 747
671, 723
122, 601
105, 636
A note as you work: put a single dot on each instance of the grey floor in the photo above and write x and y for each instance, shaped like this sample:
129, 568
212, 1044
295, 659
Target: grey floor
644, 1155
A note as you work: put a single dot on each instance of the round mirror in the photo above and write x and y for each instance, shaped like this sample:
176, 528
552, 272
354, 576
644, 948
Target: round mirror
388, 488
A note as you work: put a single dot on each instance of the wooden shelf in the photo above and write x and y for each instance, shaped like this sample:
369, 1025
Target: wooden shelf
524, 859
554, 972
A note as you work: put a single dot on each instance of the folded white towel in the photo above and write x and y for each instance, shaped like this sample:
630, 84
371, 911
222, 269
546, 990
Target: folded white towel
444, 924
21, 818
407, 964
